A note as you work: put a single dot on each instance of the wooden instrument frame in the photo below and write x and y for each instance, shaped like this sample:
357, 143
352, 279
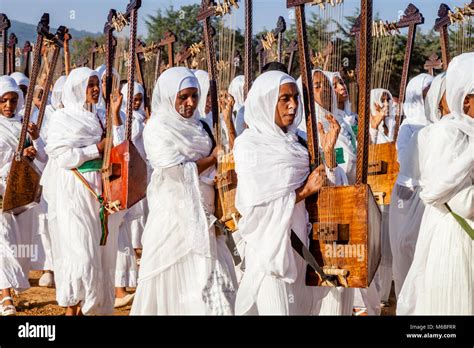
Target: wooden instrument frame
291, 50
26, 58
124, 171
12, 42
356, 206
441, 26
4, 26
248, 47
23, 182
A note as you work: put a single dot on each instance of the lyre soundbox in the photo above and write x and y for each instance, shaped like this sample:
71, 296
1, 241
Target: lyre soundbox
226, 184
23, 187
346, 235
128, 179
383, 171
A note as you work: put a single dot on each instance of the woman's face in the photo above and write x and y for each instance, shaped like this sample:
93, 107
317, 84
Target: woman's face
186, 102
443, 106
93, 90
469, 105
322, 90
287, 106
385, 100
8, 104
137, 101
340, 89
208, 103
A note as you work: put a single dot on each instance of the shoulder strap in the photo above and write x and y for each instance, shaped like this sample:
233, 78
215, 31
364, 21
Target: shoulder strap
209, 133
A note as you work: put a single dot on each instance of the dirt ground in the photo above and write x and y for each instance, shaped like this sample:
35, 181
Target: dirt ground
42, 301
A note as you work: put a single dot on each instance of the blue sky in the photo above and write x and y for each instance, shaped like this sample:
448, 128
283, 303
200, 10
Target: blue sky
91, 14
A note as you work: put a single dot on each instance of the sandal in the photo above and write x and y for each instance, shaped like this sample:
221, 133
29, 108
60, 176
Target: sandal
7, 310
360, 312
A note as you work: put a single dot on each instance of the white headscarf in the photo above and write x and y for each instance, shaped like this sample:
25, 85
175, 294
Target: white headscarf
347, 102
203, 78
414, 105
236, 90
376, 97
20, 79
8, 84
433, 98
459, 84
264, 149
10, 126
73, 125
137, 89
171, 139
56, 100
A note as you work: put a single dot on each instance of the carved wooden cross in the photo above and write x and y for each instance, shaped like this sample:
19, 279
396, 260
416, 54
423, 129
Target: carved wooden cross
168, 40
291, 50
433, 62
441, 25
206, 11
4, 26
26, 58
93, 53
411, 19
12, 42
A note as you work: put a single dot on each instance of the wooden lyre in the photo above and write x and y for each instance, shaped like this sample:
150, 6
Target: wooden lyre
67, 55
4, 26
124, 172
26, 58
23, 188
81, 62
93, 54
142, 54
168, 41
12, 42
291, 51
183, 56
268, 41
446, 17
226, 178
340, 215
383, 165
248, 47
433, 63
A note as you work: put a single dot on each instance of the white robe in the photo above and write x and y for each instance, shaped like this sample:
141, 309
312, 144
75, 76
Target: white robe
441, 278
84, 270
180, 272
406, 207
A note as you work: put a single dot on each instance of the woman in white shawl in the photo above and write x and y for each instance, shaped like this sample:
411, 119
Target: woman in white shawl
179, 270
273, 181
236, 90
131, 228
382, 118
15, 231
441, 278
346, 142
84, 270
44, 220
406, 208
343, 102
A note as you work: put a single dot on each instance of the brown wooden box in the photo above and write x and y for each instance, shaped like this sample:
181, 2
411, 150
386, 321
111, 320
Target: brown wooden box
23, 186
129, 180
346, 234
383, 170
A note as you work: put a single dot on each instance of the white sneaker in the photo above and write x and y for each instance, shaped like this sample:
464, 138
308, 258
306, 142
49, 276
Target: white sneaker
124, 301
46, 280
